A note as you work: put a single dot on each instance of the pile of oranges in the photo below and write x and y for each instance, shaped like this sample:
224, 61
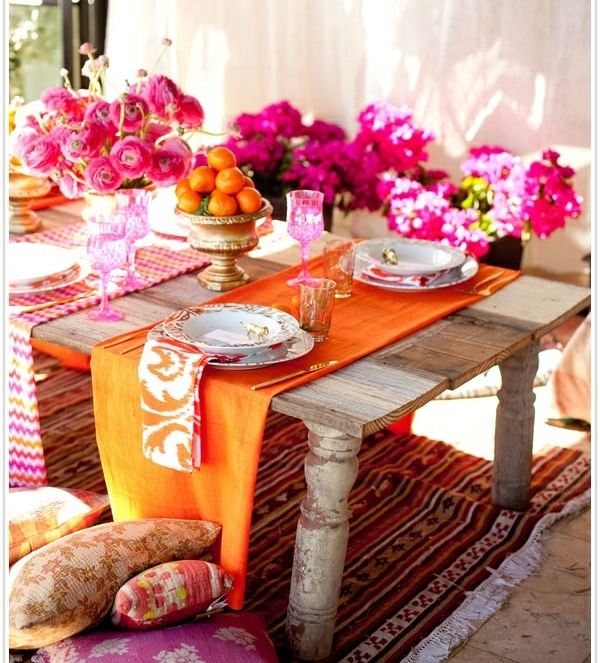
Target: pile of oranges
219, 188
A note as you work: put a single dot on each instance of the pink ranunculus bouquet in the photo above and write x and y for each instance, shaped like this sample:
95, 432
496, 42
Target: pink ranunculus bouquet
85, 142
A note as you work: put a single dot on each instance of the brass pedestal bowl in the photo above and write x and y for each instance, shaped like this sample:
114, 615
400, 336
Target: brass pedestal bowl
223, 238
22, 189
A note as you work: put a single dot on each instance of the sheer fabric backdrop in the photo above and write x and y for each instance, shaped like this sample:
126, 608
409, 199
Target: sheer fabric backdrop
502, 72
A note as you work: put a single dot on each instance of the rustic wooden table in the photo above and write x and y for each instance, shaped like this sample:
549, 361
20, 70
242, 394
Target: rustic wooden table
341, 408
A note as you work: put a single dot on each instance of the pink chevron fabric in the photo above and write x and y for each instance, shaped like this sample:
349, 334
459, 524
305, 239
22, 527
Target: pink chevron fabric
163, 260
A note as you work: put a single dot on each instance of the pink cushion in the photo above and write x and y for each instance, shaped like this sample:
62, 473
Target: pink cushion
224, 638
169, 594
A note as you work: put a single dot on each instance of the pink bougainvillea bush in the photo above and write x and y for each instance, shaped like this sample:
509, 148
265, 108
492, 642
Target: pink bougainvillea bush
86, 143
383, 168
280, 151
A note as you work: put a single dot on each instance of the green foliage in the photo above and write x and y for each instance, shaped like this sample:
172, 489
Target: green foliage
203, 209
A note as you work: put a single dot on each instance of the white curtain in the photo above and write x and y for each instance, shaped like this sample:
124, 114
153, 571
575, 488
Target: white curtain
504, 72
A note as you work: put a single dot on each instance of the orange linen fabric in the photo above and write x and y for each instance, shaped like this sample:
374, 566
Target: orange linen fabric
69, 358
53, 199
233, 416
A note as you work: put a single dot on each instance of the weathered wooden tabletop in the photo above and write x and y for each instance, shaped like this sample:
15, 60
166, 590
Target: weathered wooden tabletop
376, 390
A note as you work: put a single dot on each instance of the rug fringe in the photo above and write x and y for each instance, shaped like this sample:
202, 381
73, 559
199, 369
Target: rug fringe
489, 597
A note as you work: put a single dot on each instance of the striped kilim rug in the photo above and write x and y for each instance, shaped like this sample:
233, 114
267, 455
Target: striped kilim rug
427, 555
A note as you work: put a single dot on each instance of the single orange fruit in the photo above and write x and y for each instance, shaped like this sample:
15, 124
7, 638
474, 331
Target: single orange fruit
248, 181
202, 179
189, 201
220, 158
230, 180
182, 186
221, 204
248, 200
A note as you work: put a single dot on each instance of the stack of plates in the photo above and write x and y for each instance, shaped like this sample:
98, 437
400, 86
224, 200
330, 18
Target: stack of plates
33, 268
239, 336
411, 264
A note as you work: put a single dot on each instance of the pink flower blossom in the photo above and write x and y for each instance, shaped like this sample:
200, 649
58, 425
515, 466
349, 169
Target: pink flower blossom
154, 131
190, 114
98, 112
69, 186
24, 139
171, 162
162, 95
58, 99
128, 112
101, 176
87, 48
81, 143
40, 155
130, 157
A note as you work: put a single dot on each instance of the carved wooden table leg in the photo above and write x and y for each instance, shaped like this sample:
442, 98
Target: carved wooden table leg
321, 540
514, 430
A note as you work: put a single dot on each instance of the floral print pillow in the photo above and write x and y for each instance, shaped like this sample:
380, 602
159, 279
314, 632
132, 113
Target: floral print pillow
70, 584
170, 593
224, 638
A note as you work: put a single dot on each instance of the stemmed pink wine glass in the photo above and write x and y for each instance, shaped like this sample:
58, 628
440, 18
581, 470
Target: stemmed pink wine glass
133, 205
107, 250
304, 223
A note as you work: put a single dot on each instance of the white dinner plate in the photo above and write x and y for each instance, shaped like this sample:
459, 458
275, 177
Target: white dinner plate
454, 276
297, 346
81, 272
414, 256
231, 329
33, 265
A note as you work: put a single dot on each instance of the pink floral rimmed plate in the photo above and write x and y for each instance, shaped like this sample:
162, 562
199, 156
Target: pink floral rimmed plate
447, 278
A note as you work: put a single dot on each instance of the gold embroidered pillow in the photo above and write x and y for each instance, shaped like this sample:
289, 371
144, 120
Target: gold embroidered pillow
37, 516
170, 593
70, 584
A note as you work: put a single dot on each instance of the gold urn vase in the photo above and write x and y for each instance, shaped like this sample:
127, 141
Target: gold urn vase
223, 238
22, 189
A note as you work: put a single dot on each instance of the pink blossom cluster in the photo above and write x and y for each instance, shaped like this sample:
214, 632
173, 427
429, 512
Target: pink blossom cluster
415, 210
281, 152
499, 196
86, 143
388, 141
262, 139
554, 199
318, 165
537, 198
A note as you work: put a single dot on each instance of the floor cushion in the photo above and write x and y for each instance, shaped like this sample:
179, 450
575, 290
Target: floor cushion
37, 516
224, 638
170, 593
70, 584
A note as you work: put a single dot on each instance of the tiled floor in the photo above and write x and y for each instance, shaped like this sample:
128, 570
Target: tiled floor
547, 617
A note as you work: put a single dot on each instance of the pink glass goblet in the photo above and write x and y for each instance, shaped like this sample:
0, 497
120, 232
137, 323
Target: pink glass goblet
304, 223
107, 250
133, 205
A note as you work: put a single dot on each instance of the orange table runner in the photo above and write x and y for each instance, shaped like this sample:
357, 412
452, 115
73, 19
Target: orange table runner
233, 416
